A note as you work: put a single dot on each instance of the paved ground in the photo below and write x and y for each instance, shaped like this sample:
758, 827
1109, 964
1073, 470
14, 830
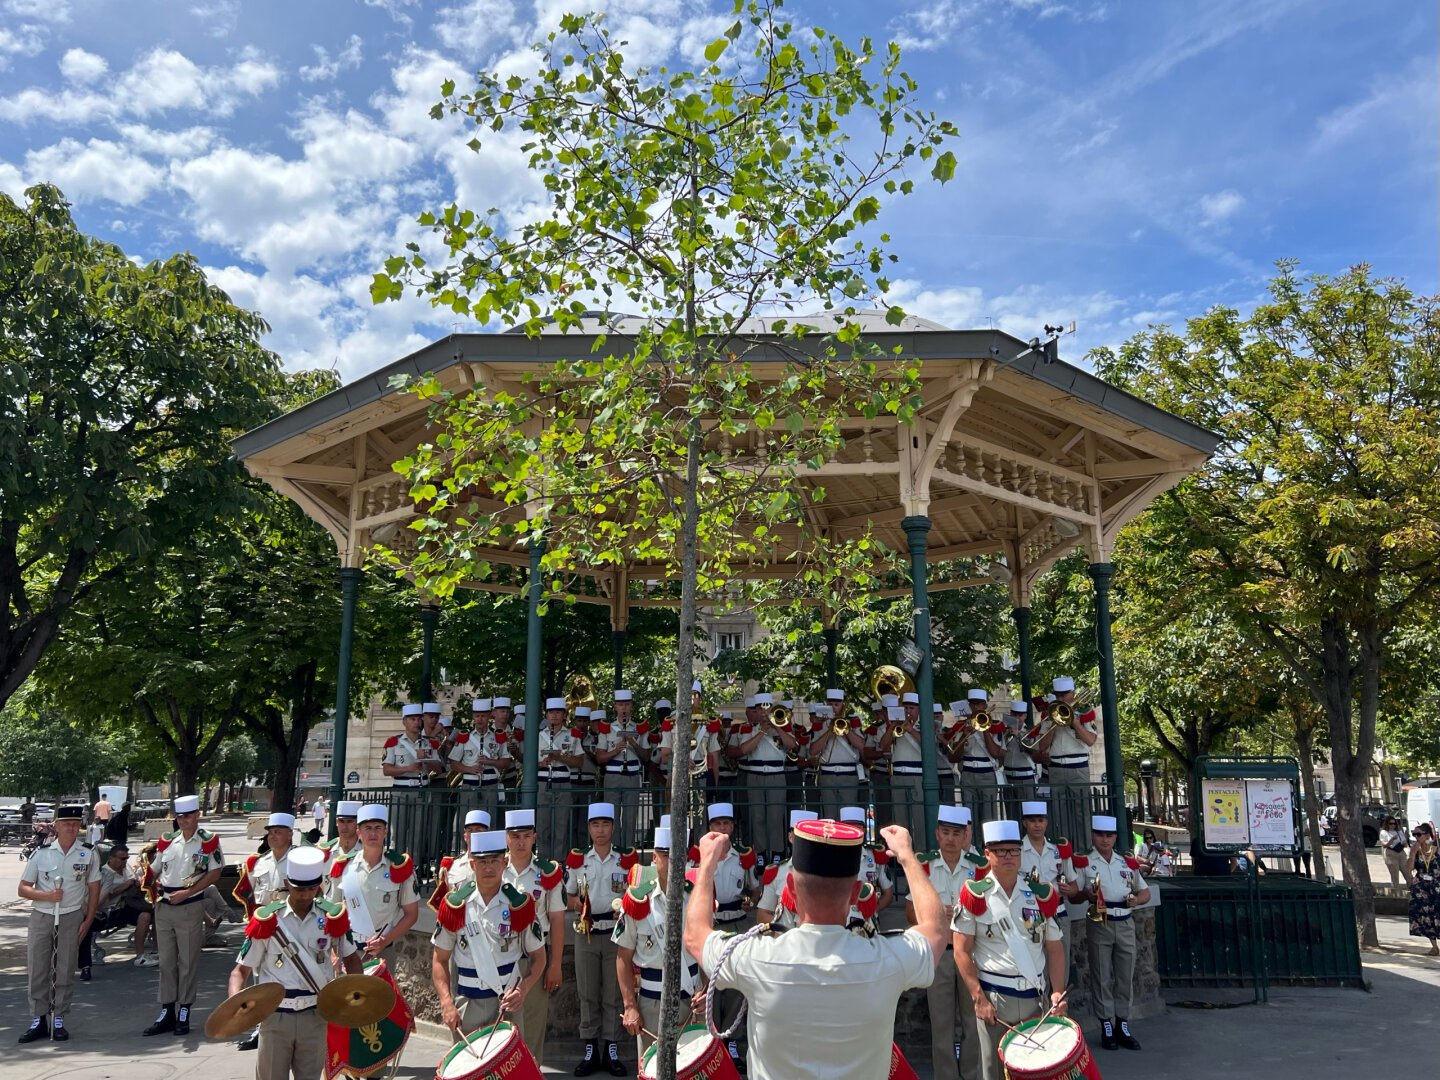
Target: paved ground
1310, 1033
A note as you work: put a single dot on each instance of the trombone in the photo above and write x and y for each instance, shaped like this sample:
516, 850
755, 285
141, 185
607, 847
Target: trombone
1063, 715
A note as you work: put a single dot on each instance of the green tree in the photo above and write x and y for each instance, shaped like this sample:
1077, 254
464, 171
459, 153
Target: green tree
120, 385
1316, 527
699, 200
44, 751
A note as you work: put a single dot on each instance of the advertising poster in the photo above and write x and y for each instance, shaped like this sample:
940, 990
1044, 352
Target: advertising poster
1225, 817
1271, 813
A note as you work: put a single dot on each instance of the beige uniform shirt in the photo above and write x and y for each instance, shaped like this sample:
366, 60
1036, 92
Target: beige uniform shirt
646, 939
267, 880
558, 741
487, 948
1042, 865
547, 901
999, 971
604, 880
272, 962
72, 871
1115, 879
947, 880
382, 897
1066, 749
109, 881
770, 898
403, 750
469, 748
183, 863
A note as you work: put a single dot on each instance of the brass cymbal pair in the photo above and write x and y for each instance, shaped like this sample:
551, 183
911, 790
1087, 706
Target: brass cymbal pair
350, 1001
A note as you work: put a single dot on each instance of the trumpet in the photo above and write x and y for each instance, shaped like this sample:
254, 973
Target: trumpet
897, 730
780, 718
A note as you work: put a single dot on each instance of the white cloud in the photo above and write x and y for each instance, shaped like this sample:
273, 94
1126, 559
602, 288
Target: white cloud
11, 182
161, 81
1022, 311
1397, 102
394, 8
19, 41
478, 28
221, 15
1219, 207
327, 67
180, 143
98, 169
79, 66
53, 11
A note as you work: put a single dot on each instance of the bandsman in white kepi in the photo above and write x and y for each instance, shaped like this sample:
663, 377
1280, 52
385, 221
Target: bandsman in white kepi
1065, 750
1112, 885
284, 942
595, 880
455, 870
544, 880
480, 757
874, 872
1047, 863
489, 927
186, 863
262, 880
405, 758
619, 753
558, 766
435, 746
953, 1046
901, 741
62, 883
640, 949
836, 751
979, 754
376, 886
1007, 945
346, 840
1020, 773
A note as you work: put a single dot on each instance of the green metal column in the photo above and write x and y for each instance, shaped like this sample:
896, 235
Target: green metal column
1021, 615
916, 529
617, 642
534, 645
349, 592
832, 657
429, 619
1101, 573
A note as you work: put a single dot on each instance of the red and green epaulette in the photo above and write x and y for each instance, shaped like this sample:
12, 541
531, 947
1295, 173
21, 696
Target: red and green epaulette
209, 841
263, 923
747, 855
768, 875
337, 918
338, 864
442, 884
973, 896
880, 853
450, 913
1047, 897
692, 855
868, 903
635, 901
925, 858
787, 894
551, 873
1064, 850
576, 859
628, 857
244, 891
401, 866
1079, 862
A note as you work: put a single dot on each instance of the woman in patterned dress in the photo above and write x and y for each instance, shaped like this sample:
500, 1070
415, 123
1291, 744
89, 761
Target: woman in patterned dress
1425, 887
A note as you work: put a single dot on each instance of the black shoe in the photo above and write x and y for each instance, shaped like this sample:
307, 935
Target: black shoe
249, 1042
613, 1062
182, 1020
588, 1064
58, 1032
85, 973
38, 1028
1125, 1039
1107, 1036
163, 1023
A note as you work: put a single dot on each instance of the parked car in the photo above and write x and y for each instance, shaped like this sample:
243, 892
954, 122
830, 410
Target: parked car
1371, 823
44, 812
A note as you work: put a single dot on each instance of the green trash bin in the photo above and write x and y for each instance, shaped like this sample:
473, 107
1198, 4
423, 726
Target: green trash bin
250, 807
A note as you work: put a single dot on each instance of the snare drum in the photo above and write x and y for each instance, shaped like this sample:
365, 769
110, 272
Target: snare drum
1050, 1050
504, 1055
699, 1054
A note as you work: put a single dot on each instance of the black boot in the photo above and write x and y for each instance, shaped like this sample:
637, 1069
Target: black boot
1107, 1035
57, 1030
164, 1022
1124, 1038
182, 1020
736, 1057
589, 1063
250, 1042
612, 1060
38, 1029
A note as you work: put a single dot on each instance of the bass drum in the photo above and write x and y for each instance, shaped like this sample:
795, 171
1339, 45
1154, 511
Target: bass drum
1050, 1050
364, 1051
698, 1055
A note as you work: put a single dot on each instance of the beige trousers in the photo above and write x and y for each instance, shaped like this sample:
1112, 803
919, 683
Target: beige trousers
179, 933
292, 1044
52, 985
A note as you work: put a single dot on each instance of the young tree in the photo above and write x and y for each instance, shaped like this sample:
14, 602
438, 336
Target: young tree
120, 386
1316, 527
700, 200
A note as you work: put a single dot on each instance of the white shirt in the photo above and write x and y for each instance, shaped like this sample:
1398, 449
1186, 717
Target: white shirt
992, 945
604, 882
383, 898
1067, 745
271, 962
1043, 865
267, 878
402, 750
946, 881
110, 880
547, 901
1114, 877
558, 741
72, 871
822, 1000
771, 894
487, 947
732, 883
646, 939
184, 862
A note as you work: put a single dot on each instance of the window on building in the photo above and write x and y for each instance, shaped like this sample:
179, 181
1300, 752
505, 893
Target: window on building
729, 641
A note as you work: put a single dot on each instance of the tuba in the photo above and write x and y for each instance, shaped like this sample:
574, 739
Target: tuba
579, 694
889, 679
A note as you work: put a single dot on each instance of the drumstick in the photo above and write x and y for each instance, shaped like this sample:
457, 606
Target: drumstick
1046, 1014
493, 1028
1023, 1034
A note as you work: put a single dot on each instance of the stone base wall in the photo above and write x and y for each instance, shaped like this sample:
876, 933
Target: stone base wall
411, 968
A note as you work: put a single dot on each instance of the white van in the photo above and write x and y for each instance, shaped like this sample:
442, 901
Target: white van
1422, 805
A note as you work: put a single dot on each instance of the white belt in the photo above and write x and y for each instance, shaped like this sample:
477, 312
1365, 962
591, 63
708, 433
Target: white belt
908, 768
838, 770
767, 769
1070, 761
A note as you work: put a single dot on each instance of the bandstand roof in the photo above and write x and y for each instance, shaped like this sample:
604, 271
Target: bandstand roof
1009, 455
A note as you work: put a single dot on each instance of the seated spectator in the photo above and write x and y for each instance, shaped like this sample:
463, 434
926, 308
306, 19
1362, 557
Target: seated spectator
118, 885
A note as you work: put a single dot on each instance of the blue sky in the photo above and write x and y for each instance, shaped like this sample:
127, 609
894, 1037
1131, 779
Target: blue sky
1121, 163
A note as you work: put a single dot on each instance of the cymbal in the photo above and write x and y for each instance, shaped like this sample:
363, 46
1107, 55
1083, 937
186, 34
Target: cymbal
240, 1012
353, 1001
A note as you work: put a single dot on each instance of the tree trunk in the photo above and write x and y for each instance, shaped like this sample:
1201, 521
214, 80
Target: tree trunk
1351, 757
1305, 748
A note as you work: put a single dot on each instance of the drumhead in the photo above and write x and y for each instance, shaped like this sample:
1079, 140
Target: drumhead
460, 1063
693, 1046
1032, 1047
